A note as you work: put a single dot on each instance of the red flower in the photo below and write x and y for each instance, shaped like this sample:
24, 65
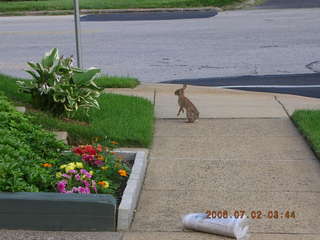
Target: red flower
89, 149
78, 150
99, 148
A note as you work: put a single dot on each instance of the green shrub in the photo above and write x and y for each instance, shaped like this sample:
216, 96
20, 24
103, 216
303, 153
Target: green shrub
60, 88
24, 147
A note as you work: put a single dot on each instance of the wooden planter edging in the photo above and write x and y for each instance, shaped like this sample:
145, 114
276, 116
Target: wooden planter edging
131, 193
57, 212
75, 212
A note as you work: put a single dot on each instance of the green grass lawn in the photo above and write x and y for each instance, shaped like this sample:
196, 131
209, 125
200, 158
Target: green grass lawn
116, 82
32, 5
125, 119
308, 122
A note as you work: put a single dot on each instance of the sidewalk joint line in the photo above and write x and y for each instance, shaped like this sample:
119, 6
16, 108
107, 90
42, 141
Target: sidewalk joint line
231, 160
282, 233
224, 191
222, 118
270, 86
283, 107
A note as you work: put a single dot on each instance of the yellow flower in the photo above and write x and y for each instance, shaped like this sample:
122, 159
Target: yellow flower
79, 165
91, 172
123, 173
104, 167
104, 184
63, 166
58, 175
70, 166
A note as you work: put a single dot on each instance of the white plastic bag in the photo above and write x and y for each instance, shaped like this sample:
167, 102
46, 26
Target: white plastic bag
231, 227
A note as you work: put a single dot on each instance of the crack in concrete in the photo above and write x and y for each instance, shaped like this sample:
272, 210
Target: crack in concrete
282, 105
269, 46
311, 66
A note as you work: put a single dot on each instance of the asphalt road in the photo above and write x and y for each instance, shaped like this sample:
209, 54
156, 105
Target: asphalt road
230, 44
299, 84
290, 4
233, 43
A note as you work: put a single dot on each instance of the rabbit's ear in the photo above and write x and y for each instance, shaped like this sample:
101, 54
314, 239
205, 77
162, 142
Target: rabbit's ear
184, 86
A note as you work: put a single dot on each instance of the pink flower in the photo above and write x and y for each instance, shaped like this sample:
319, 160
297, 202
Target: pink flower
84, 190
66, 176
94, 186
86, 173
87, 157
98, 162
72, 171
77, 177
61, 186
86, 183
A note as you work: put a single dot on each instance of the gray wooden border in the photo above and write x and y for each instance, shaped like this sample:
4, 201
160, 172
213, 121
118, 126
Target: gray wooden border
131, 193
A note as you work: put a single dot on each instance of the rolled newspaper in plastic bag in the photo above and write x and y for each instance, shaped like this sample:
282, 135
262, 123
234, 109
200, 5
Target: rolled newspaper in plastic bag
231, 227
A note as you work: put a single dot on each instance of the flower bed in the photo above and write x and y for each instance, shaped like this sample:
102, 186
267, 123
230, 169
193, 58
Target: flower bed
92, 169
32, 160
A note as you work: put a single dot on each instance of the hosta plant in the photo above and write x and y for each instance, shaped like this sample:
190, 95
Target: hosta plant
59, 87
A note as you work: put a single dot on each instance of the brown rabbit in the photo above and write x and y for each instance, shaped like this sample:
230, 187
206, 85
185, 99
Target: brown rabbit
185, 103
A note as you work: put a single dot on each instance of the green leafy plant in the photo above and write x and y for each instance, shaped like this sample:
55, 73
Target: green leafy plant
24, 148
59, 87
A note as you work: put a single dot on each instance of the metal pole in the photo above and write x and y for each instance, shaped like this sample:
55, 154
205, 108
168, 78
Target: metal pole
77, 30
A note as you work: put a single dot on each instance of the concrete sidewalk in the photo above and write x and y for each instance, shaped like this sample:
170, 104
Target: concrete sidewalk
243, 154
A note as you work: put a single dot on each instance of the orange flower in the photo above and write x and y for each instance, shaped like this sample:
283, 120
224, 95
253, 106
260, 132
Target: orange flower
104, 184
100, 157
123, 173
114, 142
46, 165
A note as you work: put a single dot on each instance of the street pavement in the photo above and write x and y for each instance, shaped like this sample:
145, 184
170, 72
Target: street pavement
299, 84
232, 43
290, 4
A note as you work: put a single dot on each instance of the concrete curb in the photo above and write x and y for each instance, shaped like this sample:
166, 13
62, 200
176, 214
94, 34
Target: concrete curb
61, 135
107, 11
132, 191
21, 109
